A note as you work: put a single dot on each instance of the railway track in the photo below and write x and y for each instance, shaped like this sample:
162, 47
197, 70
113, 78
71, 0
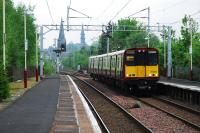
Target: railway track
192, 124
187, 115
112, 115
179, 105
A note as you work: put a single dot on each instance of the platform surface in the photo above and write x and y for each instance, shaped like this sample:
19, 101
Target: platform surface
34, 112
181, 83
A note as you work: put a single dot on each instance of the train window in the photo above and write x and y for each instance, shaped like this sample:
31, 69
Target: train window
152, 58
130, 60
104, 62
140, 58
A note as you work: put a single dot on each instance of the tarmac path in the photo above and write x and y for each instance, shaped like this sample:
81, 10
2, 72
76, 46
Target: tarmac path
35, 111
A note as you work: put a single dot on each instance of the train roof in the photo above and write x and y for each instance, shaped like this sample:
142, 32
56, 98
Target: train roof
120, 52
109, 54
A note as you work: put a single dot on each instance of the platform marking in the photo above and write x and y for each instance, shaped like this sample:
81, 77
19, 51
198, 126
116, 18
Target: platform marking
92, 119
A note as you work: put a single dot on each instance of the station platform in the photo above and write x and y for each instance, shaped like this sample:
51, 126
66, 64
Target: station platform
181, 83
55, 105
179, 89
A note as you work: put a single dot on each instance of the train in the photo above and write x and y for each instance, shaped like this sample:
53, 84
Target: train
132, 69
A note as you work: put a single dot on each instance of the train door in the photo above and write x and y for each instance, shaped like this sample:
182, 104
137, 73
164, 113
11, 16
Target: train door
141, 63
152, 69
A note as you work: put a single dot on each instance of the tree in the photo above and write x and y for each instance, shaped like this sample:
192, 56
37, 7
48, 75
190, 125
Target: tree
4, 86
15, 37
189, 25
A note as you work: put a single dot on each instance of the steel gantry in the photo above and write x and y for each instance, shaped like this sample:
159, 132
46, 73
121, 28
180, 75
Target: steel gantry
120, 28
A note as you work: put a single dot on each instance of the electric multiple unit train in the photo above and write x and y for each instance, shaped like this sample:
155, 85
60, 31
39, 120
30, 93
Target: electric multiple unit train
132, 69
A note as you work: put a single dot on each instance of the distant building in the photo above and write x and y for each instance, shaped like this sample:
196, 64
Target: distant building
61, 44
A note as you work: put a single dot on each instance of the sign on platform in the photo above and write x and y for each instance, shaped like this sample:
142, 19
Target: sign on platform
190, 49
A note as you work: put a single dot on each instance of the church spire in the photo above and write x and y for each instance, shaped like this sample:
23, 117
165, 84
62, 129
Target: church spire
61, 39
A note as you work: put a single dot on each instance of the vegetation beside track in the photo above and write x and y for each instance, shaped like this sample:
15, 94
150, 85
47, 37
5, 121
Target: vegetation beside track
16, 90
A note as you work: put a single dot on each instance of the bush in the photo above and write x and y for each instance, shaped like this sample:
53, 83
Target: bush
48, 67
4, 84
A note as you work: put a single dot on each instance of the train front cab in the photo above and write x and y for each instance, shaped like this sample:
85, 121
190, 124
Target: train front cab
141, 67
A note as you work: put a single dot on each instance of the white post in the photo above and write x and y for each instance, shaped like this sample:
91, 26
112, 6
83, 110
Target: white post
68, 17
25, 52
108, 40
190, 51
41, 52
36, 55
164, 46
169, 68
25, 41
57, 63
191, 45
148, 25
36, 48
4, 37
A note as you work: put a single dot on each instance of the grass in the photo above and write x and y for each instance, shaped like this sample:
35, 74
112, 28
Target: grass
19, 85
16, 91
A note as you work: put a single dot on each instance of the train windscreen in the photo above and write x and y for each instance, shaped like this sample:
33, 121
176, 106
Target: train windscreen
130, 58
141, 58
152, 58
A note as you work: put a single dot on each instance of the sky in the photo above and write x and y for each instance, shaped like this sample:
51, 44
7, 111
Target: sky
168, 12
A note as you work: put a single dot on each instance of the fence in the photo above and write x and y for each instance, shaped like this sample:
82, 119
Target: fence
184, 73
17, 74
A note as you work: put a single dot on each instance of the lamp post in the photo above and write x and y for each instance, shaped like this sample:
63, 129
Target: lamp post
36, 55
25, 53
4, 37
164, 45
190, 51
148, 26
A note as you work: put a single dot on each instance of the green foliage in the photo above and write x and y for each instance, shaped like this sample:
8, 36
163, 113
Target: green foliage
4, 86
48, 67
71, 47
75, 59
15, 36
128, 39
94, 48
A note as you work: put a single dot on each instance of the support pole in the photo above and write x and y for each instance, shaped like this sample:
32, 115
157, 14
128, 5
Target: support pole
4, 37
190, 51
41, 53
108, 40
68, 17
57, 63
148, 26
164, 45
169, 65
36, 55
25, 53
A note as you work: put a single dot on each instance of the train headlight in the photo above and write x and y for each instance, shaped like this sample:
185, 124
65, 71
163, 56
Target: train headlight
127, 75
150, 75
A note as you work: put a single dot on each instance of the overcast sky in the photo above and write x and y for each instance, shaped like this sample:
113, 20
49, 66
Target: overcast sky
102, 11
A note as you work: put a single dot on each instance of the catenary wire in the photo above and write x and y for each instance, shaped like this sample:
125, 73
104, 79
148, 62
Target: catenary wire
50, 12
